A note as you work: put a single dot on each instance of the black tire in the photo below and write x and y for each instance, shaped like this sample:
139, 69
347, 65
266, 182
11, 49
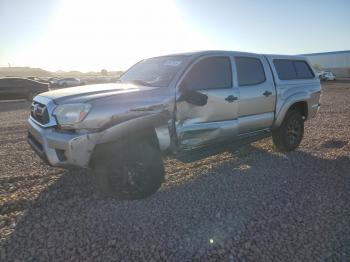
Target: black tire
131, 169
289, 135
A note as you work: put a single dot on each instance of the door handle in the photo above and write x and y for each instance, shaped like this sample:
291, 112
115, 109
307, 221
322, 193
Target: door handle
267, 93
231, 98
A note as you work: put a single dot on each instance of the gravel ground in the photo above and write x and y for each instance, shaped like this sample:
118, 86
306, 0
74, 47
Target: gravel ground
249, 205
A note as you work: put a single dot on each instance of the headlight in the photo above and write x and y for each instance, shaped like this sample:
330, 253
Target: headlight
69, 114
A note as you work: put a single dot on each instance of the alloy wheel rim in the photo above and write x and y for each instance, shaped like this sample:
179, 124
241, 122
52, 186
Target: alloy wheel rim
294, 132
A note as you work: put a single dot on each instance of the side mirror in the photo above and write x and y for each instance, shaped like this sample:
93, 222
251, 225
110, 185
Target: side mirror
193, 97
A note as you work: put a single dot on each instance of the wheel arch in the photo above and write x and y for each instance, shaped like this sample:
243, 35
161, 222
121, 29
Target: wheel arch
298, 102
301, 107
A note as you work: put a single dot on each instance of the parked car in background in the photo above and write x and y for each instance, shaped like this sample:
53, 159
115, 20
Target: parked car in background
53, 81
33, 78
40, 79
67, 82
19, 88
327, 76
319, 74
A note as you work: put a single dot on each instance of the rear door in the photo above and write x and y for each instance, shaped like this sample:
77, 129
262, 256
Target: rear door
257, 94
216, 120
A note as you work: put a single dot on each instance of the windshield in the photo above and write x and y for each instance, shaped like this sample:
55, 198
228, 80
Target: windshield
158, 71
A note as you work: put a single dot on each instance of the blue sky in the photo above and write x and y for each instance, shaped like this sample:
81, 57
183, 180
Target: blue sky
95, 34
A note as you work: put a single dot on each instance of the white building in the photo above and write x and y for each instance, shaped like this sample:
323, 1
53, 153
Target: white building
337, 62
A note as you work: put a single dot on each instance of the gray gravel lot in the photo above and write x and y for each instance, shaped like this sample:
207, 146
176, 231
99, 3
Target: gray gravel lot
249, 205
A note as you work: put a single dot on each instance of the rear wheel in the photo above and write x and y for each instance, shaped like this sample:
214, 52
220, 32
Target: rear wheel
128, 169
289, 135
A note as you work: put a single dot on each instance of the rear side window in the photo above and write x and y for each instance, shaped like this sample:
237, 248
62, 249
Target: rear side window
292, 69
250, 71
303, 70
209, 73
285, 69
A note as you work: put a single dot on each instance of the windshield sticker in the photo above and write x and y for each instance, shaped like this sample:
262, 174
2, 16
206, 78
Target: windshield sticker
172, 63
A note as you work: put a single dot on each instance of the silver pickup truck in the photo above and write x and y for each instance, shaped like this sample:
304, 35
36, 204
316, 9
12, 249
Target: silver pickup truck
188, 105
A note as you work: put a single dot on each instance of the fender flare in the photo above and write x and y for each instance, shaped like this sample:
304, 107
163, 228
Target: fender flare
282, 110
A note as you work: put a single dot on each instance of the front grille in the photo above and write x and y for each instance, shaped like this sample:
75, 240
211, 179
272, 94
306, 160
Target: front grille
39, 112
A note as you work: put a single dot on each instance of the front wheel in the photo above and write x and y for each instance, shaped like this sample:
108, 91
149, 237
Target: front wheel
128, 169
289, 135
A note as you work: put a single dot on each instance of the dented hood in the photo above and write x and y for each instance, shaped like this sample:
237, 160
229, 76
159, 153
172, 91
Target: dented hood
86, 93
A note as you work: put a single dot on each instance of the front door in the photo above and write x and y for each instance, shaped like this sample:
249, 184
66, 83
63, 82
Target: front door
207, 107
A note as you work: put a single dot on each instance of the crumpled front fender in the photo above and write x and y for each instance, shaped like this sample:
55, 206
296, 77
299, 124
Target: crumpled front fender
158, 122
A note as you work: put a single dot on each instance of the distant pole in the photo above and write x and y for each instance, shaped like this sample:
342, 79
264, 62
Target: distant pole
9, 64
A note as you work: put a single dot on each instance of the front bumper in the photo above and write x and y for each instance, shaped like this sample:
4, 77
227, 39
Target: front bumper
61, 149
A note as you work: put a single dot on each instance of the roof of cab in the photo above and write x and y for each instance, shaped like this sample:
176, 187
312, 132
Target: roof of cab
226, 52
208, 52
295, 57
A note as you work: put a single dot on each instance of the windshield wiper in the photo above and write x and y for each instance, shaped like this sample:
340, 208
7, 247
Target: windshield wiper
138, 82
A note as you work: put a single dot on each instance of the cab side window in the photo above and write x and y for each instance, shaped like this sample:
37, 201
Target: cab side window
303, 70
250, 71
209, 73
